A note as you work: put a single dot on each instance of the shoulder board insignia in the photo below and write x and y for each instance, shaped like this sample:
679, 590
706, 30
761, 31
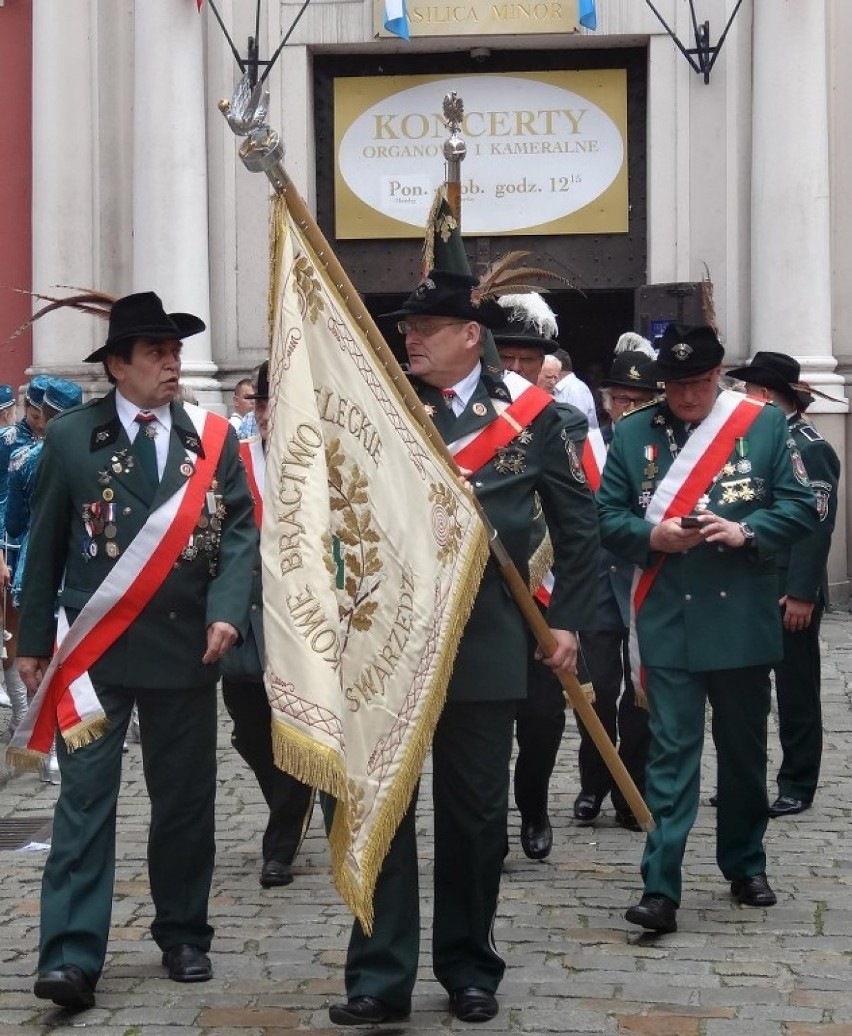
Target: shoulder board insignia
639, 407
810, 432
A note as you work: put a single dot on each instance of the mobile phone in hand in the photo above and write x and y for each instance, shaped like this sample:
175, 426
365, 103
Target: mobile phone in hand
690, 521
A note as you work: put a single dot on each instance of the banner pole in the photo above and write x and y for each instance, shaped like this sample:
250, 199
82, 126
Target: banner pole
265, 154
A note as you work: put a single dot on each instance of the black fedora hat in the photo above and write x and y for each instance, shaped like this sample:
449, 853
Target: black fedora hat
142, 316
686, 351
446, 294
632, 369
771, 370
531, 322
260, 382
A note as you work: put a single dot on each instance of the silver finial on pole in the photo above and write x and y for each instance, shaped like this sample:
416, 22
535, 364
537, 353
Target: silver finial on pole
455, 148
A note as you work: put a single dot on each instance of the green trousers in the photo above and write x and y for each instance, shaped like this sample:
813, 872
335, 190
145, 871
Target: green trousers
471, 751
677, 699
178, 734
798, 691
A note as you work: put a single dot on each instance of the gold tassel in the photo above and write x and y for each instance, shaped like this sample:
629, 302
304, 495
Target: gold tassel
541, 562
24, 758
84, 733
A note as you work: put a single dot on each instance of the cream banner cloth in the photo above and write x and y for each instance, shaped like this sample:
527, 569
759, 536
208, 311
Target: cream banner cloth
372, 556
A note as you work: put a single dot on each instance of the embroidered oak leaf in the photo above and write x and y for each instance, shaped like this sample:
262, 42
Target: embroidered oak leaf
355, 534
309, 290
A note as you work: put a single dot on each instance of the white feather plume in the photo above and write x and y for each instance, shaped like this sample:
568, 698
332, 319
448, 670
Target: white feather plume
630, 341
531, 309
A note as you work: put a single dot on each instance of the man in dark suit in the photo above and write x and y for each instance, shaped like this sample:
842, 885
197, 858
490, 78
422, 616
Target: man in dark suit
526, 341
802, 586
604, 646
443, 321
143, 530
244, 692
700, 491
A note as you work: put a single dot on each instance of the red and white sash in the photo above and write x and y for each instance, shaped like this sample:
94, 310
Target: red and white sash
594, 458
251, 451
474, 451
65, 695
691, 473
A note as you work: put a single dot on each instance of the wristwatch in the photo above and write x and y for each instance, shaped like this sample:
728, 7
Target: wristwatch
748, 532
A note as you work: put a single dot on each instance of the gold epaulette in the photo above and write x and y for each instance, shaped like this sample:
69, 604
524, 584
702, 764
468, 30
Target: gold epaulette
640, 408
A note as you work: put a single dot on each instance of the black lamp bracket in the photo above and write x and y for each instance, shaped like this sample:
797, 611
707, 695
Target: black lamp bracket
252, 62
702, 57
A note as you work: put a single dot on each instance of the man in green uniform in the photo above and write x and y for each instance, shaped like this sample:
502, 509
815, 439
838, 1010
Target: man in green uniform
443, 321
523, 344
802, 586
143, 529
700, 491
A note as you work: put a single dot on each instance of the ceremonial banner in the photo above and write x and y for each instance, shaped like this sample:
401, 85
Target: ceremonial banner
372, 555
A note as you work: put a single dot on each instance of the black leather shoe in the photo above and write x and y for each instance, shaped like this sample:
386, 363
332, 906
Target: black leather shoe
786, 806
655, 912
473, 1005
586, 807
365, 1010
68, 986
273, 874
624, 818
536, 838
754, 891
187, 963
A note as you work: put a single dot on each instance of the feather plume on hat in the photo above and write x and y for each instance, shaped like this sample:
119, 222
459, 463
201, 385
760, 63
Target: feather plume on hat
531, 309
504, 277
632, 342
86, 300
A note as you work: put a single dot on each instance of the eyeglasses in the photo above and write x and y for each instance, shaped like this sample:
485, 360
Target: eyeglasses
625, 400
416, 327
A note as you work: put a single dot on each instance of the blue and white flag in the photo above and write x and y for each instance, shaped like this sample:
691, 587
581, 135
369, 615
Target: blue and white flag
586, 14
396, 18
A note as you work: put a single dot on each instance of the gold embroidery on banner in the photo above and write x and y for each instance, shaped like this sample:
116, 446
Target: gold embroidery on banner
356, 571
370, 681
445, 524
308, 289
302, 449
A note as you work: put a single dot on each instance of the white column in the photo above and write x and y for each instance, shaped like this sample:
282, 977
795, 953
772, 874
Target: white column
791, 247
791, 257
64, 183
170, 244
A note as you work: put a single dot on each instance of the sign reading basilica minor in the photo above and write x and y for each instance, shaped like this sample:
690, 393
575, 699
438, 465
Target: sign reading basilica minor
546, 153
483, 17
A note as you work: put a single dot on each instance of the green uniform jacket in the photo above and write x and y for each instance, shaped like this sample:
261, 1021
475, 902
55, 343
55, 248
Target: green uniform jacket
712, 607
87, 461
802, 567
543, 459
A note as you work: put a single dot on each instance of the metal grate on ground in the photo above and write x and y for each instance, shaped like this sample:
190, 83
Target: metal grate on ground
16, 832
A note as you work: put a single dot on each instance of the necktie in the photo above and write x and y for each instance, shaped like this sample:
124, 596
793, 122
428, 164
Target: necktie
143, 446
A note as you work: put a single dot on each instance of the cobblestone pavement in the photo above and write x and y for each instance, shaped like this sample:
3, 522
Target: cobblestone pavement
574, 964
